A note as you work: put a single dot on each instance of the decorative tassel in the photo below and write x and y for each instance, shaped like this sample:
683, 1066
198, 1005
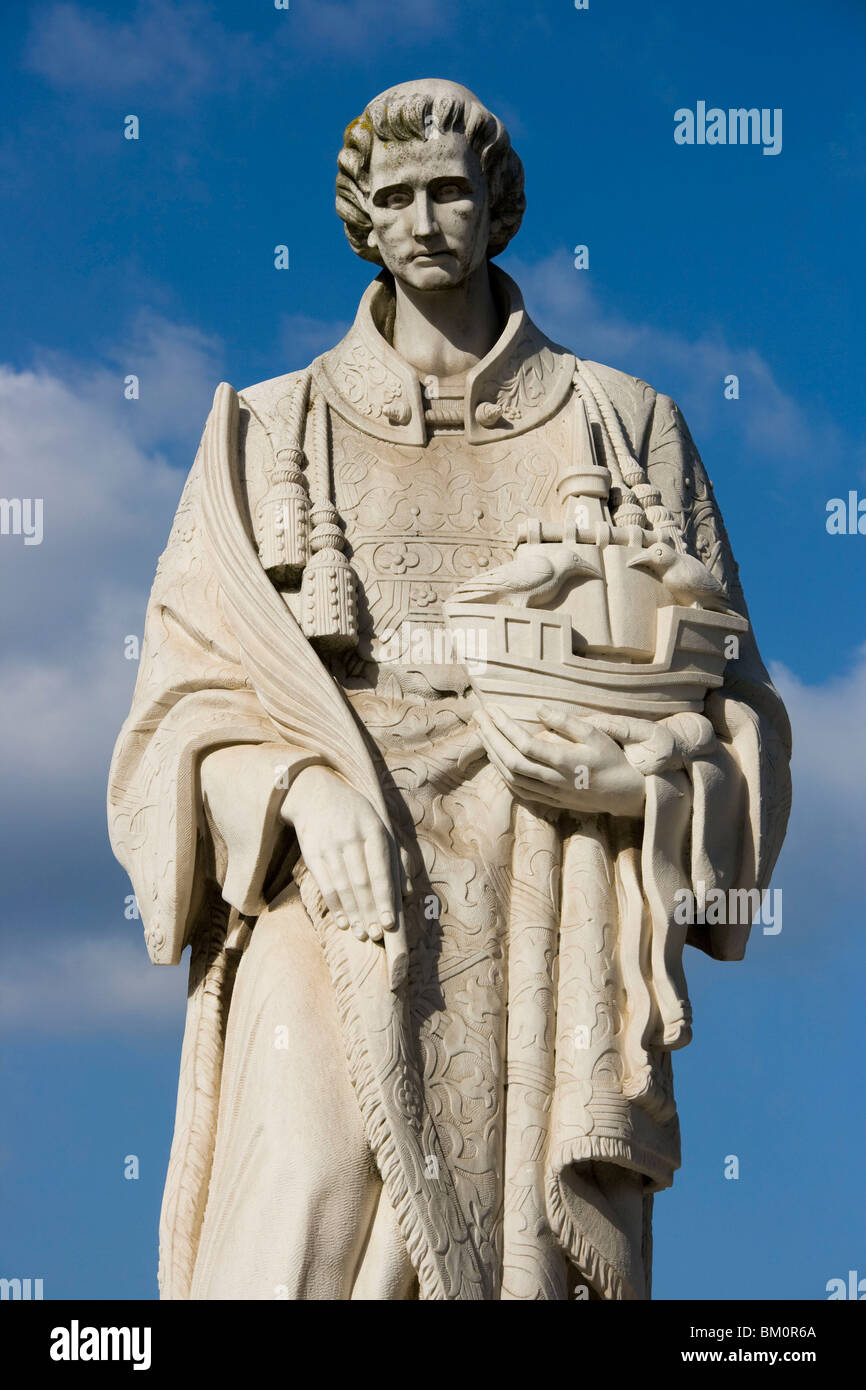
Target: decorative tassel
627, 511
283, 513
660, 517
329, 602
636, 493
633, 475
329, 598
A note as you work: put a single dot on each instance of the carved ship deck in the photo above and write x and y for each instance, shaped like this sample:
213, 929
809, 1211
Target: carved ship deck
617, 644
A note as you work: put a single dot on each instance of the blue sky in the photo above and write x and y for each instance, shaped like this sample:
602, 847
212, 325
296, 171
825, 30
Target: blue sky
156, 257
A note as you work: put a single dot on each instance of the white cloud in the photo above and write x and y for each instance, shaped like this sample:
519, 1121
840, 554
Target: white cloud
820, 870
830, 736
88, 984
100, 465
303, 337
176, 52
357, 24
178, 367
692, 370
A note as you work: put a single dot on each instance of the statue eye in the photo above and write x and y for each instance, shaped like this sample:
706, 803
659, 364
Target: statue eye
451, 190
396, 200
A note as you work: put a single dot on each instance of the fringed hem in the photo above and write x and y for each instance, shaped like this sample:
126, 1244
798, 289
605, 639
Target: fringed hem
379, 1130
605, 1148
212, 972
604, 1277
591, 1263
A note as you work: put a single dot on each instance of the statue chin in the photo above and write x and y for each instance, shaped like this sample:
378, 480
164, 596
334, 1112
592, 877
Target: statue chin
433, 273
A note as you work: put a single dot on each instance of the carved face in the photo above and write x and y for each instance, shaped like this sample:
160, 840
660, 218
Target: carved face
429, 208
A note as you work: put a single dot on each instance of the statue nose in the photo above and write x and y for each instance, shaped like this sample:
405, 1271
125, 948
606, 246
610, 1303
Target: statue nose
424, 222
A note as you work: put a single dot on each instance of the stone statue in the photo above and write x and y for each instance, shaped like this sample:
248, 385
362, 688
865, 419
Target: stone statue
447, 696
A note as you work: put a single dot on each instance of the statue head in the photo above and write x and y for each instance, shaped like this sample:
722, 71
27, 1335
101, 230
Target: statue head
428, 183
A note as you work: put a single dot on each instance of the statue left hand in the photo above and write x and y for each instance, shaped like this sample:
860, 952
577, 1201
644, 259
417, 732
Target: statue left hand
580, 768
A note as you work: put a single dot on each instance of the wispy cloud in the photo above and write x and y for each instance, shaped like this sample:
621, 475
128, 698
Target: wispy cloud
356, 24
820, 868
303, 337
830, 736
176, 52
768, 418
100, 465
100, 462
86, 985
106, 470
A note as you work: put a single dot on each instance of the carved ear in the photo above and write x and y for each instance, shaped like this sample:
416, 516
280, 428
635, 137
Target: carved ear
371, 240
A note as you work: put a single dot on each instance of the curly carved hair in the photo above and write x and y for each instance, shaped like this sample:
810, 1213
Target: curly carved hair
411, 113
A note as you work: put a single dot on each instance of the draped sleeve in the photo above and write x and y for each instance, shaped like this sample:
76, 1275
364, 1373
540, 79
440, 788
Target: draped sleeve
192, 697
742, 792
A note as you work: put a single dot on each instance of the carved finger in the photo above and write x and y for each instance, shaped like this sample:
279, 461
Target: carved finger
514, 760
625, 728
514, 732
344, 884
330, 897
502, 768
355, 860
503, 771
406, 871
538, 749
380, 861
530, 789
571, 725
527, 788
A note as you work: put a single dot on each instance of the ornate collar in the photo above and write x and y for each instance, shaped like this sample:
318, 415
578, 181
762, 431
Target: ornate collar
521, 382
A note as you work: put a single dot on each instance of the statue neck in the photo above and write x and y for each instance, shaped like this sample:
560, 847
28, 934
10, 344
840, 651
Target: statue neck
446, 333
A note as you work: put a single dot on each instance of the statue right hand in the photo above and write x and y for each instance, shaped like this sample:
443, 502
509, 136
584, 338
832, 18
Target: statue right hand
347, 849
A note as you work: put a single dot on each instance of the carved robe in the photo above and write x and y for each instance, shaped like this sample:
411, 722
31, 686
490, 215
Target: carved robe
519, 1124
